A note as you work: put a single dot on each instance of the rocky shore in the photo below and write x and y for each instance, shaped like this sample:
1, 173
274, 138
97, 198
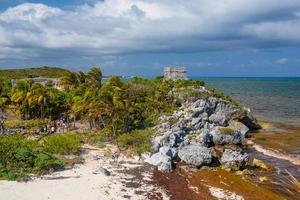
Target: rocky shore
203, 133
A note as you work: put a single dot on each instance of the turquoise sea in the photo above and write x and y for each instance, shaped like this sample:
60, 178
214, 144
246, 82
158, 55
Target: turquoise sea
273, 99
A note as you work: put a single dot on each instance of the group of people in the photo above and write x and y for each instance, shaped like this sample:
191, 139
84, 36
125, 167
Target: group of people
55, 127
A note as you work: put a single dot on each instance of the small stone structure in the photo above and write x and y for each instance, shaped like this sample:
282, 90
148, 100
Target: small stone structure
175, 73
53, 82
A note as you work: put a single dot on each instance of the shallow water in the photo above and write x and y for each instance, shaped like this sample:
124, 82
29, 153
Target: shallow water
272, 99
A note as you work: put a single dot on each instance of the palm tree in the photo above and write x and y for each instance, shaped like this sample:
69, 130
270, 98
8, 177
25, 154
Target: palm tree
22, 96
70, 81
95, 76
40, 97
4, 97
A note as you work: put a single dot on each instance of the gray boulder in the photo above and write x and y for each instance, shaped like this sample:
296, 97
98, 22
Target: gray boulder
210, 105
171, 152
225, 135
163, 162
234, 160
197, 111
238, 126
195, 121
196, 155
208, 140
171, 140
218, 119
250, 122
199, 103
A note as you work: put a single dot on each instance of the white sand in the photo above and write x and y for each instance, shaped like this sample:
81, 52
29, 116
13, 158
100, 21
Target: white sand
81, 182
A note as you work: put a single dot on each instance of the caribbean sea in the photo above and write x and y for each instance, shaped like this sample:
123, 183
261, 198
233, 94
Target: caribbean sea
275, 99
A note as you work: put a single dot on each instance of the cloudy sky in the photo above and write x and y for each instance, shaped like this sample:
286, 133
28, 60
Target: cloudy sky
140, 37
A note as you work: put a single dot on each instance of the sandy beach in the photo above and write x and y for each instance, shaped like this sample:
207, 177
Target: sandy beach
129, 179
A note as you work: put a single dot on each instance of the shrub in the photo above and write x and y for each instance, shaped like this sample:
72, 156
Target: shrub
137, 141
68, 143
190, 94
44, 162
20, 155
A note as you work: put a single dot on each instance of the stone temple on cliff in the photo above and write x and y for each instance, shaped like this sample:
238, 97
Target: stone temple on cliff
175, 73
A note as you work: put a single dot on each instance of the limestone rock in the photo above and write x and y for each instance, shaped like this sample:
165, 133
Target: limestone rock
243, 129
163, 162
234, 160
171, 152
196, 155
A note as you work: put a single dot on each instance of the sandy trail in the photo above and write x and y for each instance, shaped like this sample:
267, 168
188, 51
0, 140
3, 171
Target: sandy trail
129, 179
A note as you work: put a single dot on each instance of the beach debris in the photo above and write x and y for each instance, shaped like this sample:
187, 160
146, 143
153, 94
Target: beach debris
220, 193
102, 170
263, 179
260, 164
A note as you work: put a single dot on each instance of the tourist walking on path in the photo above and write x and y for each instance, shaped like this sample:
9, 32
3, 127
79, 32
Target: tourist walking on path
2, 121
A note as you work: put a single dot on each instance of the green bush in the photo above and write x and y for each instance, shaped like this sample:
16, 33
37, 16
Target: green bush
64, 144
137, 141
20, 155
45, 162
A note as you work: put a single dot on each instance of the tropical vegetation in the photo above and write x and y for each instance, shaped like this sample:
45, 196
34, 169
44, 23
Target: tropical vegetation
118, 111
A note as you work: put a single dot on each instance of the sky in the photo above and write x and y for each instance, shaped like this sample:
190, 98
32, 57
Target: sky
140, 37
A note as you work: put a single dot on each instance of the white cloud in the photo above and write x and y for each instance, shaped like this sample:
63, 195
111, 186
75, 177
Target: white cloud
282, 61
276, 31
125, 26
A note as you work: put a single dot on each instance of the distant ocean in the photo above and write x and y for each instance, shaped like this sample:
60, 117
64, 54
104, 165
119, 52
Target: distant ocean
272, 99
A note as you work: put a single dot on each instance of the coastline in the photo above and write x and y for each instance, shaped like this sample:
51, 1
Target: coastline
137, 180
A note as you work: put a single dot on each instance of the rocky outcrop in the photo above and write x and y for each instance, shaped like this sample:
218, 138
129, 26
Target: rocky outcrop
196, 155
191, 133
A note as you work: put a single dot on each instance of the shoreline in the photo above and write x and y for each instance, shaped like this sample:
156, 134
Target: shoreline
128, 175
277, 140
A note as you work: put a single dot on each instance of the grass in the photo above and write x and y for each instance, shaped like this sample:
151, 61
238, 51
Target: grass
63, 144
137, 142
